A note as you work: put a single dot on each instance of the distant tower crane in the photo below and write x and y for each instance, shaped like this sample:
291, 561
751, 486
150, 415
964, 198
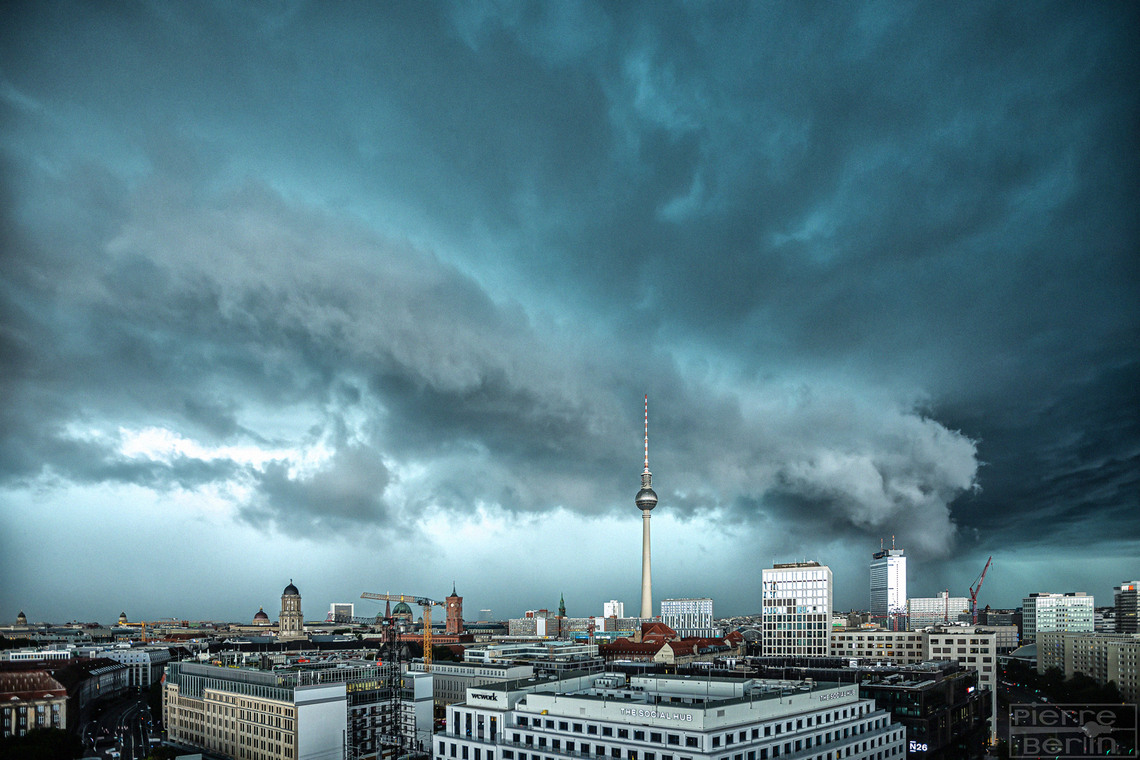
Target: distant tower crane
974, 593
423, 602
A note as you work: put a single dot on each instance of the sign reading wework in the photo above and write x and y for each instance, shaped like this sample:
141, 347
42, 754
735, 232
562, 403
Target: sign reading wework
483, 697
636, 712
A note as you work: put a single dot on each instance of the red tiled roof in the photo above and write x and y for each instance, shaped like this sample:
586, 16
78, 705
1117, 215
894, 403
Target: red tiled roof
657, 629
26, 685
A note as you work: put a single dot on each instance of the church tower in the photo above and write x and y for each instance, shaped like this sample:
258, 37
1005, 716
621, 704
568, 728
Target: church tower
291, 624
454, 612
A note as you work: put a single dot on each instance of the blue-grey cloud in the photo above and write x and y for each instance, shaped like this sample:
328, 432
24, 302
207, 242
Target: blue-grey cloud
347, 266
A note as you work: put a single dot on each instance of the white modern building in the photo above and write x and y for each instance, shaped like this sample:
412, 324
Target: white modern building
888, 583
341, 612
796, 609
1056, 612
614, 716
291, 714
925, 611
613, 608
28, 654
146, 664
690, 617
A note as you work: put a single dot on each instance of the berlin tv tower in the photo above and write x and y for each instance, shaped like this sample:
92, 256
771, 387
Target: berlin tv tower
646, 500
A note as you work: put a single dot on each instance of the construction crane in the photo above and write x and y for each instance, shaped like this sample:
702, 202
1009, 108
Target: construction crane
974, 593
423, 602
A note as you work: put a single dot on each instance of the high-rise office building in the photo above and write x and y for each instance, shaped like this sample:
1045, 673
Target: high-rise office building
689, 617
1055, 612
1125, 596
888, 582
796, 609
613, 608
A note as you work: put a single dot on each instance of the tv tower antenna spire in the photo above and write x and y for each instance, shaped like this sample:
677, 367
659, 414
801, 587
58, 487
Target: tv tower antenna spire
646, 500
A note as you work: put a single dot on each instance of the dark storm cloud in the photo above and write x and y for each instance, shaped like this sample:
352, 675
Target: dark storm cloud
347, 491
849, 251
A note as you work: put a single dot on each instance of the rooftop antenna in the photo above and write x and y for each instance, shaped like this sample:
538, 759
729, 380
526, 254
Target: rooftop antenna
892, 541
646, 433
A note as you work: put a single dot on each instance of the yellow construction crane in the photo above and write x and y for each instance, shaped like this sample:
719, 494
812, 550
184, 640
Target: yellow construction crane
423, 602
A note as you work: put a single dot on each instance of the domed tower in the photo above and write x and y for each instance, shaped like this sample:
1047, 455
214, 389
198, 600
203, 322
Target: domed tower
454, 612
646, 500
122, 618
291, 623
21, 619
260, 618
402, 612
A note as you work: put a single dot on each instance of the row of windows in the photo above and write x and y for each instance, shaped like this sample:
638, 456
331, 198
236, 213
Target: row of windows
463, 752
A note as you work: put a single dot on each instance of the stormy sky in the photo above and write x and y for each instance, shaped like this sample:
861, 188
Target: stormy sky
368, 296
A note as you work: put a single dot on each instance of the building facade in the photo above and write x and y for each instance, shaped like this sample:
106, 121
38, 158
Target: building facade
1125, 597
341, 612
888, 583
902, 647
613, 608
796, 609
971, 648
945, 713
145, 664
1102, 656
612, 715
1056, 612
450, 680
689, 617
926, 611
29, 700
291, 714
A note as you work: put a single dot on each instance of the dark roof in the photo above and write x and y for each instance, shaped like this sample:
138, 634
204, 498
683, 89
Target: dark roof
290, 590
35, 684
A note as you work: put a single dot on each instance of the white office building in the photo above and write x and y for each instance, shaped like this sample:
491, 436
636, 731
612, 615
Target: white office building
341, 612
612, 716
925, 611
796, 609
888, 583
1071, 612
690, 617
613, 608
146, 664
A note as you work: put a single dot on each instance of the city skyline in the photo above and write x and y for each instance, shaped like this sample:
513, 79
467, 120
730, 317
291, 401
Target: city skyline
369, 297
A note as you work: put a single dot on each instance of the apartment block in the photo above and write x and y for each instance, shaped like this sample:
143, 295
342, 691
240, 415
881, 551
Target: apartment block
1102, 656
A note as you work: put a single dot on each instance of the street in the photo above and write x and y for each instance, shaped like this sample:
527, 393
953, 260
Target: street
123, 729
